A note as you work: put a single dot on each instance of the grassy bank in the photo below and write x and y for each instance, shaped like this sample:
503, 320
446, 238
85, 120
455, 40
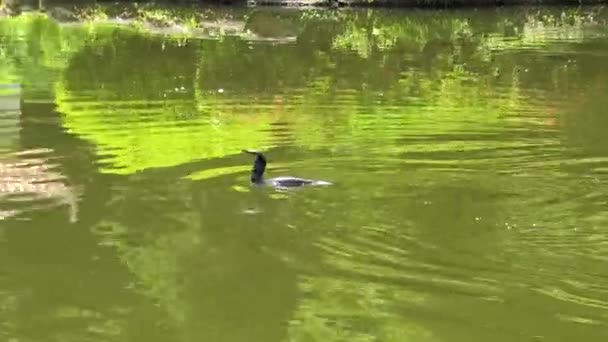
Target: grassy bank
8, 6
419, 3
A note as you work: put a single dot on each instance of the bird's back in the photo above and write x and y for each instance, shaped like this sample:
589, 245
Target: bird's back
288, 182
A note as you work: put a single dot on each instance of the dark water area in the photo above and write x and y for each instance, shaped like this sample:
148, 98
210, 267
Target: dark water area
466, 148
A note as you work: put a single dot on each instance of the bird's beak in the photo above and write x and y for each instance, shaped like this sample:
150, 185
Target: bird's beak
250, 152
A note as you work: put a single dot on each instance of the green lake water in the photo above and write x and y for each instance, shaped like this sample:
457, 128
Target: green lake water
467, 150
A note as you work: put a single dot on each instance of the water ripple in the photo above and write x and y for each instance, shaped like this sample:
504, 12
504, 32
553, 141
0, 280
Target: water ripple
29, 181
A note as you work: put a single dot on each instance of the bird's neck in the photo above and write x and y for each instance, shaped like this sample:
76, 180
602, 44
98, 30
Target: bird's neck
259, 166
257, 173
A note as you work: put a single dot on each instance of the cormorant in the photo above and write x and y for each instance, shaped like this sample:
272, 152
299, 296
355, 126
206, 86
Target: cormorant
257, 175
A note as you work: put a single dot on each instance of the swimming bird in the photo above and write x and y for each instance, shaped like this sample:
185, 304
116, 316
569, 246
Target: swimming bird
257, 175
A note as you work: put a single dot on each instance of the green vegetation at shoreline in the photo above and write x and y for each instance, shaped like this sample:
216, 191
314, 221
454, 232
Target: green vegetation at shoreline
419, 3
12, 7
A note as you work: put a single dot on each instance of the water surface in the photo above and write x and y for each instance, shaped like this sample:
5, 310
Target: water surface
467, 150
